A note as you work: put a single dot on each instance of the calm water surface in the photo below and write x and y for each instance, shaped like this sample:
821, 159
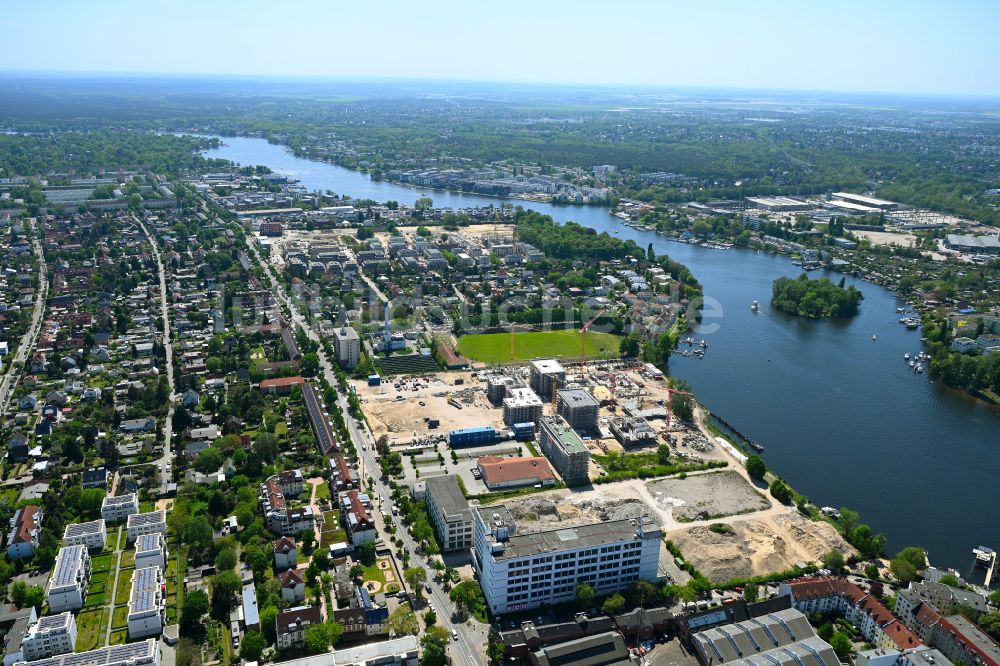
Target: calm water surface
843, 418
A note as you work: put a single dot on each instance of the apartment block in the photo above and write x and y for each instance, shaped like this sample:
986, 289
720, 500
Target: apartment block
151, 551
70, 578
147, 604
347, 346
547, 375
829, 594
151, 522
144, 653
521, 405
579, 408
450, 512
119, 508
291, 625
520, 569
564, 449
93, 534
278, 516
51, 635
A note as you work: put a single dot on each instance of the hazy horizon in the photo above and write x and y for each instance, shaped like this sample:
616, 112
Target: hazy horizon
888, 48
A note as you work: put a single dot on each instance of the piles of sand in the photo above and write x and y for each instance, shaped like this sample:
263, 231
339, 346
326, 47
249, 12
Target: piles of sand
757, 547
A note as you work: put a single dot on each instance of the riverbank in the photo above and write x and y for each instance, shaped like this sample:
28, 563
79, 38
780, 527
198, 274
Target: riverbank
835, 410
539, 197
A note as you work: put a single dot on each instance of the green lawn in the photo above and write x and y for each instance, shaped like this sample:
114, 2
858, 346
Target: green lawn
329, 537
496, 347
124, 586
119, 619
88, 626
101, 563
119, 636
374, 573
323, 491
128, 559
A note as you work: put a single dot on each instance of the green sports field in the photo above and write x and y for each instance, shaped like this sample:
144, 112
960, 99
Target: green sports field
496, 347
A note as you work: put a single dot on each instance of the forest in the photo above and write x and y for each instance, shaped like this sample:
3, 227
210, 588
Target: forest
41, 154
711, 145
815, 298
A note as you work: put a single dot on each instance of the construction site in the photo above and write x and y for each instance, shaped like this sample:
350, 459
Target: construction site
726, 525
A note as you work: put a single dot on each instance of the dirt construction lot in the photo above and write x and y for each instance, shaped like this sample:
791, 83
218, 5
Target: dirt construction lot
398, 412
770, 538
757, 546
707, 496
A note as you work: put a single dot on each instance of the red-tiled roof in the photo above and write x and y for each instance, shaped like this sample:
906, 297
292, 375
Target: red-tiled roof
498, 470
284, 545
27, 524
901, 635
290, 578
280, 382
829, 586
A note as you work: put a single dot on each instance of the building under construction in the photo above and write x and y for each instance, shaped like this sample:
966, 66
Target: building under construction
547, 375
579, 408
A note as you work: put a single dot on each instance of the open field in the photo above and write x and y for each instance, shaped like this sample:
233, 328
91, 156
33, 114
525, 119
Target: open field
496, 347
707, 496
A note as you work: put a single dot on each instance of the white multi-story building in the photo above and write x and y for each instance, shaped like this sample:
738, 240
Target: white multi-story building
118, 508
347, 346
151, 551
523, 571
93, 534
144, 653
51, 635
147, 604
449, 512
70, 577
547, 375
151, 522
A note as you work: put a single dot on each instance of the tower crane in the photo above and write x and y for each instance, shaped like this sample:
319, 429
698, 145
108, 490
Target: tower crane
583, 337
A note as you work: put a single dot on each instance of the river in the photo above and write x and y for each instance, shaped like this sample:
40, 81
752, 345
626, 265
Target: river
842, 417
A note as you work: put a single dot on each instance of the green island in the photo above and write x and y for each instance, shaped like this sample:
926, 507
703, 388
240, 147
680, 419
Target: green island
815, 298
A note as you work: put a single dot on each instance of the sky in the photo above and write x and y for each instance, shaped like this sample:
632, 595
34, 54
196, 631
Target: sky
940, 47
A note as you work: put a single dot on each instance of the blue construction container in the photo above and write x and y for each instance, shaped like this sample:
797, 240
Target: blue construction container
472, 436
523, 431
374, 380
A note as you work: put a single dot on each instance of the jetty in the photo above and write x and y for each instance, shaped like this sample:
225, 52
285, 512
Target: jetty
987, 559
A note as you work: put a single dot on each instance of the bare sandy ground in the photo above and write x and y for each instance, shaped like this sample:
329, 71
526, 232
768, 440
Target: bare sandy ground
757, 547
398, 412
706, 496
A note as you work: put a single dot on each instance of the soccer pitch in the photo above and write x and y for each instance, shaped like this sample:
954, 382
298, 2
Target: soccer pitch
496, 347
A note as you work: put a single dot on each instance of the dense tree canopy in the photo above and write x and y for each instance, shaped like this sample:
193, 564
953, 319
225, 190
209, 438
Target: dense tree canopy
814, 298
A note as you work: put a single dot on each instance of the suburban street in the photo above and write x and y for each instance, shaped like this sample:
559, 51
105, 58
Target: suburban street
165, 460
12, 375
466, 649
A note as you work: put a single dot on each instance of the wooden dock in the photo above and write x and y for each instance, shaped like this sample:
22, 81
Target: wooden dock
990, 571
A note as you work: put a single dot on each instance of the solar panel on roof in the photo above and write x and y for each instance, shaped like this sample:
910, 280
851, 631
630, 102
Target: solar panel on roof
69, 559
48, 622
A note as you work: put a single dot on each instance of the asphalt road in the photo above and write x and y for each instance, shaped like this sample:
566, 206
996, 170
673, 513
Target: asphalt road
165, 461
465, 649
12, 375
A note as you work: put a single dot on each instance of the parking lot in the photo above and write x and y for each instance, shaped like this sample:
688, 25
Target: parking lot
467, 457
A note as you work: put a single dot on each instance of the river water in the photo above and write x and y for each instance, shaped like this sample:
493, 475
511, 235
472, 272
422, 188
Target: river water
842, 417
